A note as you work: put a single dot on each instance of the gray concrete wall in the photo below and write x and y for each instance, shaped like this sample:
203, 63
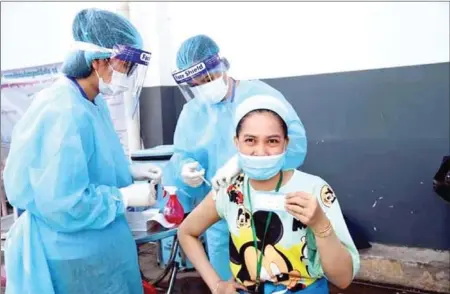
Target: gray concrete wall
377, 136
159, 111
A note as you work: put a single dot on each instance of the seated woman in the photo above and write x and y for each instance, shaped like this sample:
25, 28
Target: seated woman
287, 232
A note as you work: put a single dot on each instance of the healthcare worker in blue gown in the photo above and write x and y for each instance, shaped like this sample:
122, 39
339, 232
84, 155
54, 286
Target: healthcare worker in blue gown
203, 140
68, 171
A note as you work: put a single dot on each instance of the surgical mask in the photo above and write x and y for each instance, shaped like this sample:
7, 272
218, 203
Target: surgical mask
261, 167
214, 91
117, 85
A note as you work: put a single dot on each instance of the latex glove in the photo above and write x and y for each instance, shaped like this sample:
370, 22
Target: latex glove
142, 172
139, 194
191, 176
223, 176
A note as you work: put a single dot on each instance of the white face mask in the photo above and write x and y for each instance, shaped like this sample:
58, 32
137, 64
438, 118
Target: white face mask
213, 92
118, 84
261, 167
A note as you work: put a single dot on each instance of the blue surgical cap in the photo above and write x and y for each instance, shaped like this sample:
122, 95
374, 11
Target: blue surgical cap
102, 28
195, 49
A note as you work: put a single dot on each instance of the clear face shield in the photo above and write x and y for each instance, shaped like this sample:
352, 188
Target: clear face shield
206, 80
128, 69
131, 65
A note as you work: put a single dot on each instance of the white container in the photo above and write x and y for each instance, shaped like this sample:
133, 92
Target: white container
6, 224
137, 220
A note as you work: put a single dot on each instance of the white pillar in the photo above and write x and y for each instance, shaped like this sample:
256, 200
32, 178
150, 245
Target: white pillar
166, 50
132, 123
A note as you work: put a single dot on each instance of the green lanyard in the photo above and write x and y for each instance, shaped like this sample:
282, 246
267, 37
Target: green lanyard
259, 261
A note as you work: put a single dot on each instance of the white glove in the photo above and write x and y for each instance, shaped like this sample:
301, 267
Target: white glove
142, 172
139, 194
223, 176
191, 176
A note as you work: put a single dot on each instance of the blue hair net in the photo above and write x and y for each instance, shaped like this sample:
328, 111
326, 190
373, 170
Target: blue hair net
102, 28
195, 49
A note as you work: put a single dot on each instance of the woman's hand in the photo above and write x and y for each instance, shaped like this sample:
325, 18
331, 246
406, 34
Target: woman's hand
305, 208
228, 287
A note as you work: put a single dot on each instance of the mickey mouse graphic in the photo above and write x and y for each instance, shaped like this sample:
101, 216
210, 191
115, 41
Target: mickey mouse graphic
276, 267
304, 257
235, 195
234, 190
327, 196
243, 218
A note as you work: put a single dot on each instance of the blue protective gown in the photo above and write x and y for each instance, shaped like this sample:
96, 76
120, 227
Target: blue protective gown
65, 168
205, 133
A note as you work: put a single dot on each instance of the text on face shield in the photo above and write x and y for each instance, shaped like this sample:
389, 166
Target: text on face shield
145, 57
189, 72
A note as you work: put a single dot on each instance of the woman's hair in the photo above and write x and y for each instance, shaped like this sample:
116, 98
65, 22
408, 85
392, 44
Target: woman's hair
280, 120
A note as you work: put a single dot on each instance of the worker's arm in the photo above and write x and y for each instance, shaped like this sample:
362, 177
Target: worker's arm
186, 150
47, 174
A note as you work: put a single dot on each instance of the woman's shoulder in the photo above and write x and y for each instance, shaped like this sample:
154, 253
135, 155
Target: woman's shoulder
55, 104
248, 88
61, 95
193, 105
234, 191
192, 112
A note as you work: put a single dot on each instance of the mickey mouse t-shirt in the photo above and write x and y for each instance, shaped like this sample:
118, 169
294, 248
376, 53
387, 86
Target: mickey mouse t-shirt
290, 255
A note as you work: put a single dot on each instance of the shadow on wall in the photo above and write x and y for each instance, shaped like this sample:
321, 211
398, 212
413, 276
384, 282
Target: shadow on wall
375, 136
